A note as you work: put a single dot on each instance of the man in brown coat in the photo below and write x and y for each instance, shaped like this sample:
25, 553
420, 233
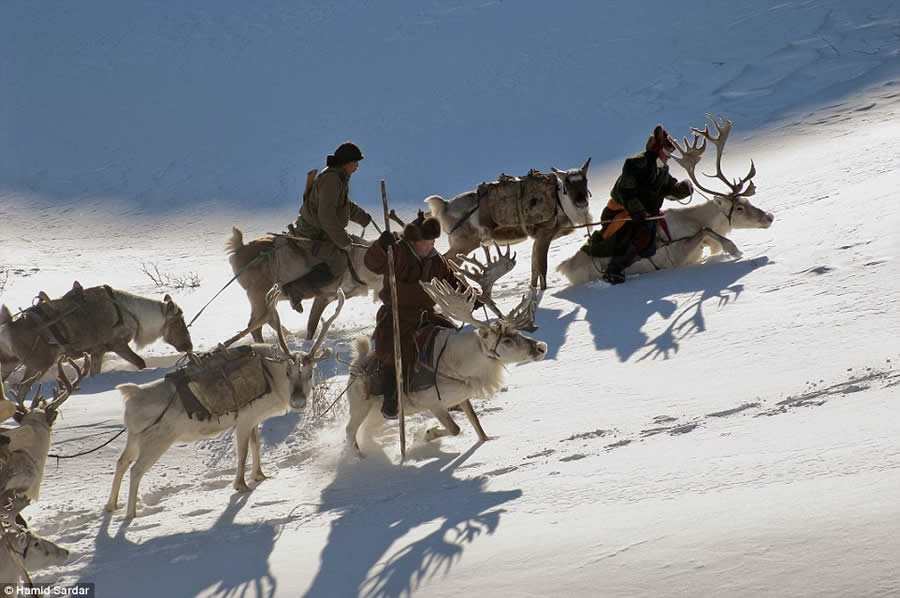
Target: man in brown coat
415, 260
324, 216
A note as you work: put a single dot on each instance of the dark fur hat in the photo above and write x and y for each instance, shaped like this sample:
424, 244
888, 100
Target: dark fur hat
422, 228
346, 152
660, 139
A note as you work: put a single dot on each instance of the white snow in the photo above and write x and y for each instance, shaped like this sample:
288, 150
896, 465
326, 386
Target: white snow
726, 429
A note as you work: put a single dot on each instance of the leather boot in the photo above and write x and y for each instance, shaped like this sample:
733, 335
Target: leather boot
615, 269
389, 386
306, 286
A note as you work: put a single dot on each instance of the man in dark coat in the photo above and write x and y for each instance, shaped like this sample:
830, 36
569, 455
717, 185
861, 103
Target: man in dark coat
415, 260
638, 194
324, 216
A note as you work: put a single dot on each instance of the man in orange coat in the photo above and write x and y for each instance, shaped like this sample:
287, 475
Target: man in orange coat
415, 260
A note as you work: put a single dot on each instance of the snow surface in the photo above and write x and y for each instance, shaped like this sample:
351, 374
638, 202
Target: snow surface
726, 429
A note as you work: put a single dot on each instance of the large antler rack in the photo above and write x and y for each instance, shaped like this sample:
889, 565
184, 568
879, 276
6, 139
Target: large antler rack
485, 274
691, 153
460, 303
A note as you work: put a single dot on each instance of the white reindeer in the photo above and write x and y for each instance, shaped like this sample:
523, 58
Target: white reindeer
28, 551
23, 452
467, 363
693, 229
155, 419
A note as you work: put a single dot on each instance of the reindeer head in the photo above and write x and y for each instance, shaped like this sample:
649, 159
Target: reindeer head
175, 331
302, 365
733, 203
574, 184
501, 339
8, 359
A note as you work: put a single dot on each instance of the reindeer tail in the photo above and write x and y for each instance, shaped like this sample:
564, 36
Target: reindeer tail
362, 346
235, 242
438, 207
127, 390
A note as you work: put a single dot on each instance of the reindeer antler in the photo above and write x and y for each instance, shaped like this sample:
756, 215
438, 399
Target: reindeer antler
69, 386
692, 152
485, 274
522, 316
455, 303
326, 326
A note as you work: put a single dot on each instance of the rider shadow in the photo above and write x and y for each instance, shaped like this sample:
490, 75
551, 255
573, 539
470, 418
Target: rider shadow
397, 500
227, 559
617, 314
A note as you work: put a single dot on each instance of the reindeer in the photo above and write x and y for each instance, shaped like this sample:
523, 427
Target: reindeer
155, 419
95, 320
25, 552
253, 263
693, 228
22, 460
466, 363
470, 221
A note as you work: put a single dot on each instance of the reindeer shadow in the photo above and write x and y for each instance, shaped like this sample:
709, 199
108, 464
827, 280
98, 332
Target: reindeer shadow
552, 325
356, 561
228, 559
616, 315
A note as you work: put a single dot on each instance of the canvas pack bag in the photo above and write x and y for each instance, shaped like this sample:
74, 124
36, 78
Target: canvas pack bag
520, 201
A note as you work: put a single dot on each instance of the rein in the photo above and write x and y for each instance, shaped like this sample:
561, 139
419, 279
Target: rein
233, 278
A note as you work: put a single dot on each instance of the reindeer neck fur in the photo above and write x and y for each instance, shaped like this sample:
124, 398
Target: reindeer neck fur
29, 444
465, 358
688, 220
148, 316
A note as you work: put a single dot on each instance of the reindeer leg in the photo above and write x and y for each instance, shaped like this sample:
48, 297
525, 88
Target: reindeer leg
258, 309
473, 419
97, 361
539, 260
315, 314
148, 454
125, 352
125, 459
724, 244
360, 406
258, 474
450, 428
241, 443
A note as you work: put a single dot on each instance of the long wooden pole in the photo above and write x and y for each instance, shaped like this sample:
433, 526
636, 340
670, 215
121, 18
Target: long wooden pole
398, 363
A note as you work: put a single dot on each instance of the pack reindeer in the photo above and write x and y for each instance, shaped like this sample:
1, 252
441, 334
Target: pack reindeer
93, 320
253, 262
694, 230
466, 363
23, 454
540, 206
155, 417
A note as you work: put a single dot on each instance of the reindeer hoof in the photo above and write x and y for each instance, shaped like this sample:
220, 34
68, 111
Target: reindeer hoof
111, 506
241, 486
259, 476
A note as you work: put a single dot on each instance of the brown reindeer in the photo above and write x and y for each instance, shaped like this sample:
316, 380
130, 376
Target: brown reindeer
253, 262
542, 206
95, 320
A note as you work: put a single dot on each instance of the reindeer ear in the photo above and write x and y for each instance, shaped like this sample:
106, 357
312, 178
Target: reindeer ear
556, 170
76, 286
43, 297
587, 165
323, 355
167, 298
5, 315
484, 333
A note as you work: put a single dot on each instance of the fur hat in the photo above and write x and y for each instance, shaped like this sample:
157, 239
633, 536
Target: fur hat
345, 153
660, 139
422, 228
